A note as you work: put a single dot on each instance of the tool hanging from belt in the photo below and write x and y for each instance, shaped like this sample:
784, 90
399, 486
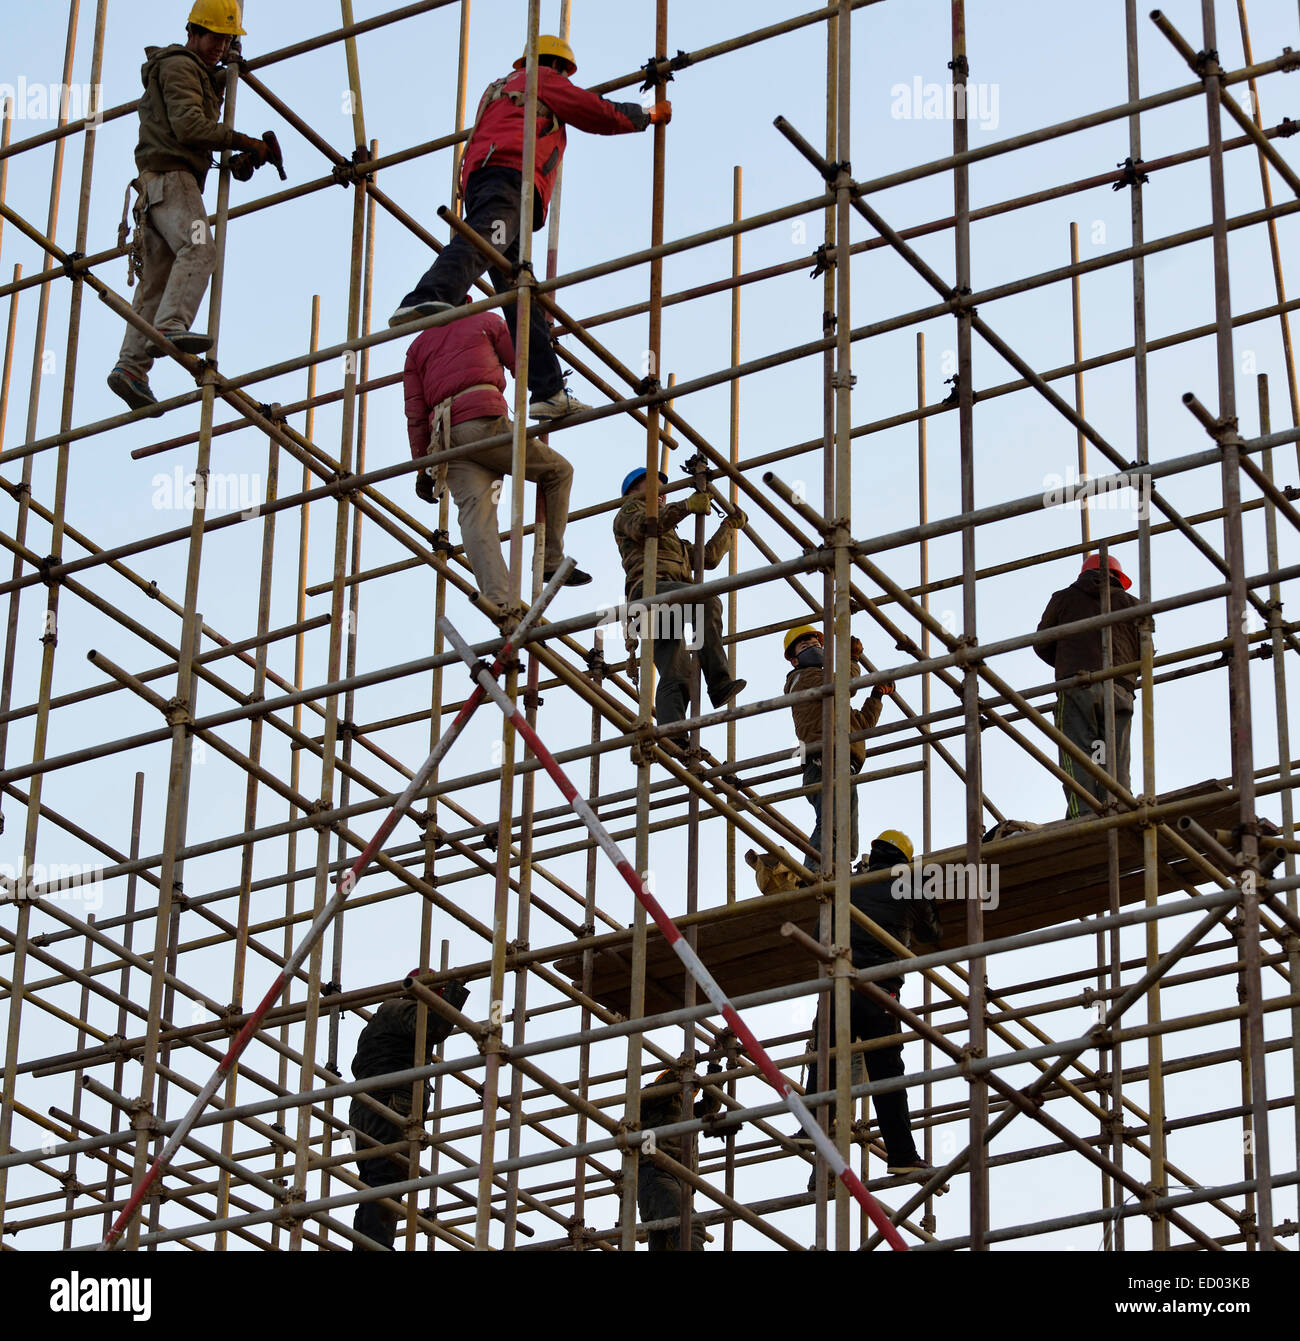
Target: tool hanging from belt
440, 434
135, 252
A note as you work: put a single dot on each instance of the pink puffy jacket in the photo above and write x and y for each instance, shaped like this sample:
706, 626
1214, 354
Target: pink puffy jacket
447, 359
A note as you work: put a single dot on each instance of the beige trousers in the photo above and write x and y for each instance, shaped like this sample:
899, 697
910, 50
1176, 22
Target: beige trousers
179, 257
475, 484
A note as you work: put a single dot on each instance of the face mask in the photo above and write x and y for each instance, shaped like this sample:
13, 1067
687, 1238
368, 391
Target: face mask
810, 656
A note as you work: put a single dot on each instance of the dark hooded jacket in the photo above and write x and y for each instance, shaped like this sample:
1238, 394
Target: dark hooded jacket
903, 919
663, 1110
180, 113
387, 1043
1083, 651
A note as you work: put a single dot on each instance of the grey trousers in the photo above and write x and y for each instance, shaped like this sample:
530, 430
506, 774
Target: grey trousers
812, 777
659, 1196
673, 659
179, 257
1081, 718
475, 484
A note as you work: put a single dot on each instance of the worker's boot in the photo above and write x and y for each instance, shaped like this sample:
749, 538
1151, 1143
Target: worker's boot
417, 312
557, 406
727, 692
131, 387
188, 342
577, 578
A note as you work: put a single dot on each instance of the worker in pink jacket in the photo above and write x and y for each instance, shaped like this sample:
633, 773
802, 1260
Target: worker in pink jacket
492, 184
455, 380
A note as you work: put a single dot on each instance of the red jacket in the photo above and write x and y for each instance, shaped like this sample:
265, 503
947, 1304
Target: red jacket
447, 359
498, 138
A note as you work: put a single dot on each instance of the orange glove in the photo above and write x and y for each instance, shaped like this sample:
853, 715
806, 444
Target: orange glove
661, 113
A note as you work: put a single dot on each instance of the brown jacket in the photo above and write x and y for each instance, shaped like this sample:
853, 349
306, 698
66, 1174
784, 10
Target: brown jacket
180, 126
676, 561
1083, 651
808, 716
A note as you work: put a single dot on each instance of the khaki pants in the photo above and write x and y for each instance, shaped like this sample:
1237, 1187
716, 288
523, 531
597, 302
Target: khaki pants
179, 257
475, 484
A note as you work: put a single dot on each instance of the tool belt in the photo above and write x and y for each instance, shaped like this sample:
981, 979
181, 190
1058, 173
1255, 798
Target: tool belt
440, 434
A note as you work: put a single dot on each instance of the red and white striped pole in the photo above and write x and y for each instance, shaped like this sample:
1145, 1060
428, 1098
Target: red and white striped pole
327, 914
824, 1146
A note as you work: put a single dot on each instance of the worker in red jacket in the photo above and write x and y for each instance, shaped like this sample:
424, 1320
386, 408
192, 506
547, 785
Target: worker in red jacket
492, 183
455, 377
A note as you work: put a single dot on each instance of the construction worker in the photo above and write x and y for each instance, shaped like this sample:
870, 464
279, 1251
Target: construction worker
387, 1044
455, 377
904, 919
803, 650
491, 184
659, 1194
675, 570
1081, 708
180, 129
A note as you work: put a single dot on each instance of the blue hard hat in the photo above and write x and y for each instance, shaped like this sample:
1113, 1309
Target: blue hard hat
634, 477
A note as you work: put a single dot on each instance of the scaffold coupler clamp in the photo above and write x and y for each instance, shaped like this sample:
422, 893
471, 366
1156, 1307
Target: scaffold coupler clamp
1207, 62
1131, 174
70, 264
1286, 127
659, 70
821, 264
843, 380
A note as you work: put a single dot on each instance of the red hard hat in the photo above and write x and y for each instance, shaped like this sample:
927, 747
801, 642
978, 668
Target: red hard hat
415, 972
1094, 561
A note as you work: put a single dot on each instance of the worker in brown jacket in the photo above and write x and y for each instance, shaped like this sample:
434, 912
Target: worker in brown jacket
1081, 708
803, 650
180, 130
675, 570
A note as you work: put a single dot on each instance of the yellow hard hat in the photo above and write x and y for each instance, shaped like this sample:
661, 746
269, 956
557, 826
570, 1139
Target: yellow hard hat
551, 46
803, 631
900, 840
218, 16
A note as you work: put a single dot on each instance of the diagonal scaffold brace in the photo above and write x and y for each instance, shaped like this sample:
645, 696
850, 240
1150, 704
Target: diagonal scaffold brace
825, 1147
487, 675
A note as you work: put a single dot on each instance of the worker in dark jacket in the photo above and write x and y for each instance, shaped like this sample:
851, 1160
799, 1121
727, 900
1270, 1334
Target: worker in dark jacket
803, 650
904, 919
454, 381
674, 570
491, 183
180, 130
660, 1195
387, 1044
1081, 708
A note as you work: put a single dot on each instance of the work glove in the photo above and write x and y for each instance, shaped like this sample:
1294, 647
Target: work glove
242, 167
880, 690
735, 519
855, 649
424, 487
661, 113
699, 504
255, 149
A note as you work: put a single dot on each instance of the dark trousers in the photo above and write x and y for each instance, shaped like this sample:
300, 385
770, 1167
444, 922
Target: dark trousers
867, 1021
372, 1219
812, 777
673, 660
1081, 717
492, 198
658, 1197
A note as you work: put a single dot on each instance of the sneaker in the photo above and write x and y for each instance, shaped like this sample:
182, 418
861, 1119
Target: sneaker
417, 311
132, 389
577, 578
189, 342
914, 1165
556, 406
727, 692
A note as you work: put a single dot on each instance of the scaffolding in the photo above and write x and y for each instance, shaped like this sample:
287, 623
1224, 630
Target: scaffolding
1170, 910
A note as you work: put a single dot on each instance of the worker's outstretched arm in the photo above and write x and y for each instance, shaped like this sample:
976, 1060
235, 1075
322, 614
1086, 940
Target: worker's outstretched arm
180, 79
587, 111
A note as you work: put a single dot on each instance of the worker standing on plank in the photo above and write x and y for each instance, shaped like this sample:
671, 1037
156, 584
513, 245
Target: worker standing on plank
660, 1195
1081, 708
180, 129
803, 650
904, 916
491, 184
455, 377
387, 1044
674, 571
